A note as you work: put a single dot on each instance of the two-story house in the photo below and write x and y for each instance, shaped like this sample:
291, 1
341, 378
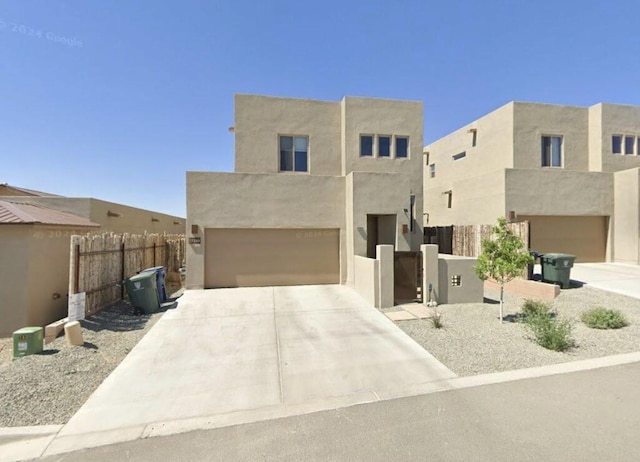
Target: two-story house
572, 172
315, 184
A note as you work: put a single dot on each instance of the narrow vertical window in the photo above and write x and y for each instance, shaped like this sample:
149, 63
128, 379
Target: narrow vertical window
629, 144
432, 170
402, 146
616, 144
300, 145
366, 145
551, 155
384, 146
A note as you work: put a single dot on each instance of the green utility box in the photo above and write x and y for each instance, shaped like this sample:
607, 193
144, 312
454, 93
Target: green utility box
143, 292
27, 341
556, 268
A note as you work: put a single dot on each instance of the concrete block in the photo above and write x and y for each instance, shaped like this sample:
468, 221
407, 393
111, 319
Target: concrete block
73, 333
51, 331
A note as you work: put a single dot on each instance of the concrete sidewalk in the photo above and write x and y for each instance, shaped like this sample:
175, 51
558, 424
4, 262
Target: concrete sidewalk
232, 356
613, 277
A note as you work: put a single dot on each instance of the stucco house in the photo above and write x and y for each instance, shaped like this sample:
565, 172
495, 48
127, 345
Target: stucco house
35, 230
316, 184
572, 172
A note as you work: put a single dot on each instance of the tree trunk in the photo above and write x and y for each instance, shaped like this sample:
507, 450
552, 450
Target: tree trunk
501, 299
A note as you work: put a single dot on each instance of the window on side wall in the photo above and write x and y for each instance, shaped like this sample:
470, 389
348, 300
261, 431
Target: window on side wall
294, 153
402, 146
432, 170
366, 145
384, 146
616, 144
629, 144
551, 155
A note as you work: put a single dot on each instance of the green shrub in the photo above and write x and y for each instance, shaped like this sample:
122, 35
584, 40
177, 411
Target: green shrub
436, 319
604, 318
535, 308
548, 331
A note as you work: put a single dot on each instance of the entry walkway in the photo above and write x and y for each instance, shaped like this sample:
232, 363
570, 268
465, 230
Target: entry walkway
231, 356
613, 277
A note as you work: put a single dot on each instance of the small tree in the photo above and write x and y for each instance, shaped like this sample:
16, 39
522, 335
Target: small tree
503, 257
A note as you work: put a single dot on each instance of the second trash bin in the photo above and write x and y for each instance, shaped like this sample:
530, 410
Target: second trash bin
143, 292
160, 273
556, 268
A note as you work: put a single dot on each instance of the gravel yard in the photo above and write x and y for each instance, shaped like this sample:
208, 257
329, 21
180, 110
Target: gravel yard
474, 342
48, 388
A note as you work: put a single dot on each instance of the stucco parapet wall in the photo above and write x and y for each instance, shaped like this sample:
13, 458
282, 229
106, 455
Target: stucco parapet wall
559, 192
255, 200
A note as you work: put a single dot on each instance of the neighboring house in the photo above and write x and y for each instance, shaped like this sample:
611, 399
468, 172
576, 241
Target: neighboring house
35, 230
572, 172
34, 263
316, 183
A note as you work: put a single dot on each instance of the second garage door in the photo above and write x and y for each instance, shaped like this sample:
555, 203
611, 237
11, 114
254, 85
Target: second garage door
271, 257
584, 237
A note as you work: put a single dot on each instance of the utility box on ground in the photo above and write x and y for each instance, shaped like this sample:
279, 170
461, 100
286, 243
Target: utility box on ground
28, 341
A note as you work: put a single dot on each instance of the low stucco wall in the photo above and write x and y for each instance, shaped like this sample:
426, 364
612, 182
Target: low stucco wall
366, 278
470, 290
626, 227
14, 267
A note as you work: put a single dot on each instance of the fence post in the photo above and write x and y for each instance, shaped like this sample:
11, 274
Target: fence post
154, 253
76, 277
122, 273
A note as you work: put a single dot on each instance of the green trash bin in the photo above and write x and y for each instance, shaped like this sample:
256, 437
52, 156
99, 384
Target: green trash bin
556, 268
143, 292
27, 341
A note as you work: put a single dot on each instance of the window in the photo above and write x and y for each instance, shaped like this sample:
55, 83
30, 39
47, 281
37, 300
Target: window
294, 155
459, 156
629, 144
402, 146
366, 145
616, 144
432, 170
384, 146
551, 151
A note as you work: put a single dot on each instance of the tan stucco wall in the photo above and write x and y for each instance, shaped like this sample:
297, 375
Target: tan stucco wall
471, 288
532, 121
259, 120
34, 274
626, 227
233, 200
131, 220
14, 266
616, 119
559, 192
474, 201
367, 278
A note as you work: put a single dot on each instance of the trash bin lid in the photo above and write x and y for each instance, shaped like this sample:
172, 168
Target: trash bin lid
143, 275
558, 256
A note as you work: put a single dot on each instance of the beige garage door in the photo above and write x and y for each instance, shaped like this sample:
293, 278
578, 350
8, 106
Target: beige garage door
271, 257
584, 237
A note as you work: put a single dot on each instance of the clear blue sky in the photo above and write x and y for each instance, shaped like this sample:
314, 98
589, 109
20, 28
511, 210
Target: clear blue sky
116, 100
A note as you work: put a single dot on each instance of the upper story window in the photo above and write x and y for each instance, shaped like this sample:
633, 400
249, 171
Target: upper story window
432, 170
460, 155
366, 145
551, 151
616, 144
294, 153
384, 146
402, 146
629, 144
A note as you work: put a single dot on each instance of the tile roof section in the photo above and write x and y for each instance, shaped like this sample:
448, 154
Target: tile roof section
16, 213
29, 192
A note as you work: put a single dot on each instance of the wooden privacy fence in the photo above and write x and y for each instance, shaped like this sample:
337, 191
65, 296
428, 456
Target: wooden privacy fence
467, 240
99, 263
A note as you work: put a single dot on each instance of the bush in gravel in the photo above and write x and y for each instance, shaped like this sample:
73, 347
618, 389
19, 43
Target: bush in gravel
436, 319
535, 308
550, 332
604, 318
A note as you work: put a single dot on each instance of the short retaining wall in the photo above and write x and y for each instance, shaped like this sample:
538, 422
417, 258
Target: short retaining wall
527, 289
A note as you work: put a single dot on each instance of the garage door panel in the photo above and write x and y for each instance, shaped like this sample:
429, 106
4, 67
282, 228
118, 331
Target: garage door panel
264, 257
585, 237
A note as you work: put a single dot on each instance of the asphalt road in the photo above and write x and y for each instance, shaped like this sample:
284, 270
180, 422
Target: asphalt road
583, 416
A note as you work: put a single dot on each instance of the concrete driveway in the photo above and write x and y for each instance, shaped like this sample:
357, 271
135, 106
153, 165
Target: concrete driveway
232, 356
613, 277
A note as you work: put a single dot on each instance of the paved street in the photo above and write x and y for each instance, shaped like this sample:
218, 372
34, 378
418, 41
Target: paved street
614, 277
585, 416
